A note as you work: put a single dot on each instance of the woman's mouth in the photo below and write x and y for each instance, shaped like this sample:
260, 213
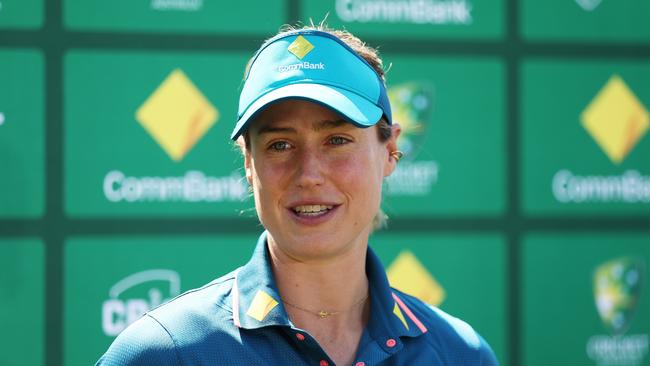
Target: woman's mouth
312, 210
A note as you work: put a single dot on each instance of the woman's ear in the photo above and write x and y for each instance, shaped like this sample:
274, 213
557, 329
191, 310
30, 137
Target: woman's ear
391, 148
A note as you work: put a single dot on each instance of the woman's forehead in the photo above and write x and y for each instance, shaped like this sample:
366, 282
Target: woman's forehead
298, 114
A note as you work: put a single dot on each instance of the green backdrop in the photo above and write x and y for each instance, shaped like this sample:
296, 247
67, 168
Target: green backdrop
522, 204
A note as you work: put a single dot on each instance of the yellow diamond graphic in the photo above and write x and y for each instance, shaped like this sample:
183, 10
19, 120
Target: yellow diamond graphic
407, 274
300, 47
615, 119
177, 115
262, 304
398, 313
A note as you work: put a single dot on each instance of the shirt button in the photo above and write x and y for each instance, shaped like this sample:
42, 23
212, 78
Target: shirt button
360, 363
300, 337
391, 343
324, 363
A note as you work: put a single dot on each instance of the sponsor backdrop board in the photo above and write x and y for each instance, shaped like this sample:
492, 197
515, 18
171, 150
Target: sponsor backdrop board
585, 142
22, 302
21, 14
592, 308
110, 282
452, 136
22, 134
454, 272
178, 16
586, 20
423, 19
149, 134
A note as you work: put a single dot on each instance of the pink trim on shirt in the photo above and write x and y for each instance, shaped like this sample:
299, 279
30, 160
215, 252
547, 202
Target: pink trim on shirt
409, 313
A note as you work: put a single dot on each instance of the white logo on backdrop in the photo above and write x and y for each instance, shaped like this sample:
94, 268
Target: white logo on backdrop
178, 5
589, 5
406, 11
2, 115
118, 313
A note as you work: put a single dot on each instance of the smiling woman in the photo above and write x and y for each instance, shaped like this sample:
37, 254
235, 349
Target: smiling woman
316, 131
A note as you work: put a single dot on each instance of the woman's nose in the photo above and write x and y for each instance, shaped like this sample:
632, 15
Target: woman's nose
309, 169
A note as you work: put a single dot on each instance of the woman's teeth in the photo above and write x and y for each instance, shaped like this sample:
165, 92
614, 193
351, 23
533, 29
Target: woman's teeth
312, 210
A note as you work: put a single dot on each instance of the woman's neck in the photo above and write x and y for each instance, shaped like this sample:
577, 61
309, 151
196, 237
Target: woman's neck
337, 287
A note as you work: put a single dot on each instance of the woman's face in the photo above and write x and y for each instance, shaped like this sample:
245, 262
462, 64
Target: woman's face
316, 178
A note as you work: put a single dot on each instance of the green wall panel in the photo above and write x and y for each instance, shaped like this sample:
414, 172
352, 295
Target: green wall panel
22, 133
21, 14
452, 136
110, 282
22, 301
180, 16
424, 19
585, 20
149, 134
585, 145
585, 299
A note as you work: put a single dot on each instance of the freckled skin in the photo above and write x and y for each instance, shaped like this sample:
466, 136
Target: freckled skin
295, 157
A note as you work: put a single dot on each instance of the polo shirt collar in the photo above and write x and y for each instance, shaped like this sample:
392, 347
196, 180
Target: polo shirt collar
256, 300
394, 318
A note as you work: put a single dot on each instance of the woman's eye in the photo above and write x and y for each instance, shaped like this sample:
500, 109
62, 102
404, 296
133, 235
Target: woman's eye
279, 146
338, 140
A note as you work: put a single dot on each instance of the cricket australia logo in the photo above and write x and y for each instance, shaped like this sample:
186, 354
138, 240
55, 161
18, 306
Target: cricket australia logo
617, 290
412, 104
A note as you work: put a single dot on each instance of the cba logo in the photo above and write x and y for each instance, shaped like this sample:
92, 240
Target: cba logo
177, 115
617, 121
617, 289
136, 294
407, 274
300, 47
412, 104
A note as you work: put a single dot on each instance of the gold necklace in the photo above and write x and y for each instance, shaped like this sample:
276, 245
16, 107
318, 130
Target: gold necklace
324, 313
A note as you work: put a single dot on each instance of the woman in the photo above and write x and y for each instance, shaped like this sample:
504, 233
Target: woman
317, 137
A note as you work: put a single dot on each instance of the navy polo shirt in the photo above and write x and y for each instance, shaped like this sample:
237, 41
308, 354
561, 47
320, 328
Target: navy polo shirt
238, 319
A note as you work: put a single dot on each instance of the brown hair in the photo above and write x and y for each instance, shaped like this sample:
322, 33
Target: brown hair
370, 54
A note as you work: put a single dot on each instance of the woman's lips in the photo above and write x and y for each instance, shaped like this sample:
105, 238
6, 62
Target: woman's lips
313, 214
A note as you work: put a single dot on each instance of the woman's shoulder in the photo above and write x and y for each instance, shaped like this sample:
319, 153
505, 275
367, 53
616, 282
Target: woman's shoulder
163, 335
448, 333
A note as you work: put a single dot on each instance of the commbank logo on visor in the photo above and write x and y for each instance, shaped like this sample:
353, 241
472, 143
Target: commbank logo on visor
616, 119
300, 47
407, 274
177, 115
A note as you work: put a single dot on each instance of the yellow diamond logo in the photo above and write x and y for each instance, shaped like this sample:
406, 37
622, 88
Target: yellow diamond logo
300, 47
262, 304
615, 119
177, 115
407, 274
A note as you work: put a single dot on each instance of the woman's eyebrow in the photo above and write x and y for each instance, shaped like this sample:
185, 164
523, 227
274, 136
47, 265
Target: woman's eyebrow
328, 124
316, 126
272, 129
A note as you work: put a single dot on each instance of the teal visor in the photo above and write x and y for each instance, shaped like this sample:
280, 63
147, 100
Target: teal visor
318, 67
